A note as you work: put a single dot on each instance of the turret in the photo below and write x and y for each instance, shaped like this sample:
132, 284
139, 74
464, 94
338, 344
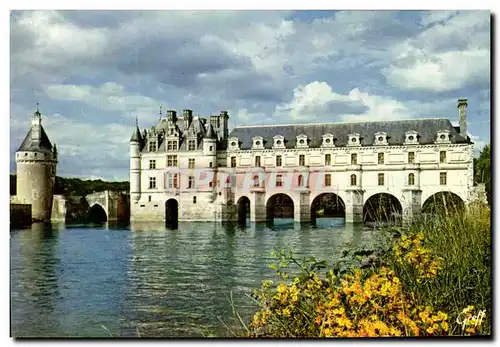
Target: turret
462, 115
136, 143
210, 142
36, 162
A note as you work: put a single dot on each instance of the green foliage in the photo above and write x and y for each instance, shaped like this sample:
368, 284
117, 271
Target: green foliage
78, 187
425, 276
482, 170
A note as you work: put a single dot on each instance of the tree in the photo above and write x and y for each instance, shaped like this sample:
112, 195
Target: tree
482, 170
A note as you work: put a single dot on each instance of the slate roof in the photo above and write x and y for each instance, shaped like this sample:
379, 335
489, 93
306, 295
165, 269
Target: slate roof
43, 146
136, 136
210, 134
426, 128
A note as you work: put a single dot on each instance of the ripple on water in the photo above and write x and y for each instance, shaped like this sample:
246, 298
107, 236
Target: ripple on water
154, 283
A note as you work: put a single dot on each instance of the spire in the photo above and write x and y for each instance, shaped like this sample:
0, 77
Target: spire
36, 139
210, 134
136, 136
160, 112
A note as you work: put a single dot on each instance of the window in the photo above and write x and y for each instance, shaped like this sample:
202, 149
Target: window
152, 146
256, 182
354, 158
171, 145
176, 181
233, 161
191, 163
442, 178
279, 180
353, 180
278, 160
152, 164
257, 161
191, 145
210, 148
442, 157
301, 181
210, 164
381, 158
152, 182
191, 182
149, 198
328, 159
210, 184
328, 180
302, 160
380, 179
411, 157
194, 199
171, 160
411, 179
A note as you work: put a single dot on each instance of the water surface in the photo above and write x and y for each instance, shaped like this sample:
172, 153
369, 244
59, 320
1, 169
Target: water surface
145, 280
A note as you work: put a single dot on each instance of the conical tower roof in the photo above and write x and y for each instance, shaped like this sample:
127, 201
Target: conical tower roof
36, 139
210, 134
136, 136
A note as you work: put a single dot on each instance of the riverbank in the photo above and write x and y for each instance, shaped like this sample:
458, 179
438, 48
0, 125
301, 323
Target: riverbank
430, 278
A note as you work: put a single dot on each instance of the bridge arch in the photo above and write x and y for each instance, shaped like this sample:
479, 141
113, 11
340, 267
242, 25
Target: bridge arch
327, 205
279, 205
444, 202
171, 213
97, 214
243, 209
382, 207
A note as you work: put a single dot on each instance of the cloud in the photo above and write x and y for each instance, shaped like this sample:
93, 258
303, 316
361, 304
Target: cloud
317, 101
452, 53
110, 96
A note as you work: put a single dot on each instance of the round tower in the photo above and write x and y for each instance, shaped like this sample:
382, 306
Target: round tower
36, 162
136, 142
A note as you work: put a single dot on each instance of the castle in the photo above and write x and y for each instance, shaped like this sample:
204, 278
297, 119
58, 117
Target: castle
36, 161
185, 168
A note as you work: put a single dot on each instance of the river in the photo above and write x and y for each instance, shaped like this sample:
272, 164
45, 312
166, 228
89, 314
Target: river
145, 280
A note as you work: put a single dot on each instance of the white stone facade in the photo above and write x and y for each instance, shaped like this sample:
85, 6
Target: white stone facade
410, 160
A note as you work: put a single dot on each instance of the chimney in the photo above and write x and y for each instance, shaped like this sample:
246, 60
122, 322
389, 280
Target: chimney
172, 115
188, 117
462, 115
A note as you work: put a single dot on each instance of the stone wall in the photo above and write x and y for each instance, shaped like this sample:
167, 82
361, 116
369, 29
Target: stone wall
20, 215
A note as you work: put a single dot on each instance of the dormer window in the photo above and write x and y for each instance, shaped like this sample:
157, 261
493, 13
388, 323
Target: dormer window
258, 142
278, 141
354, 140
152, 146
327, 141
443, 136
302, 141
380, 139
411, 138
191, 145
233, 144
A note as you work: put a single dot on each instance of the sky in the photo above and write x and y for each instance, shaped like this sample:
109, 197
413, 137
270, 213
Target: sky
94, 72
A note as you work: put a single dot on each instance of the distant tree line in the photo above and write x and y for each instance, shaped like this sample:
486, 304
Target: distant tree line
78, 187
482, 170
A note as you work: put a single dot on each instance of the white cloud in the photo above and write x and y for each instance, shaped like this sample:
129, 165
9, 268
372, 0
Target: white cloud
317, 101
445, 57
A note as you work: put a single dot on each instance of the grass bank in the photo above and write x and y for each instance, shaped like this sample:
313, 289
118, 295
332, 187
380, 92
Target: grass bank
432, 278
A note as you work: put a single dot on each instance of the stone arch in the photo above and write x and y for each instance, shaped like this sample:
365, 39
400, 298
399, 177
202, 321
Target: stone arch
328, 205
97, 214
243, 209
171, 213
279, 205
444, 202
382, 207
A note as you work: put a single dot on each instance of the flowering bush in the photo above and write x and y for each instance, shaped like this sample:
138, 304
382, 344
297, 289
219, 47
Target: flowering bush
389, 297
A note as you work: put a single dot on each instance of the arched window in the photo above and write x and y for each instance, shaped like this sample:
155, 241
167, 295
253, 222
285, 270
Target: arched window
411, 179
301, 181
353, 180
256, 182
